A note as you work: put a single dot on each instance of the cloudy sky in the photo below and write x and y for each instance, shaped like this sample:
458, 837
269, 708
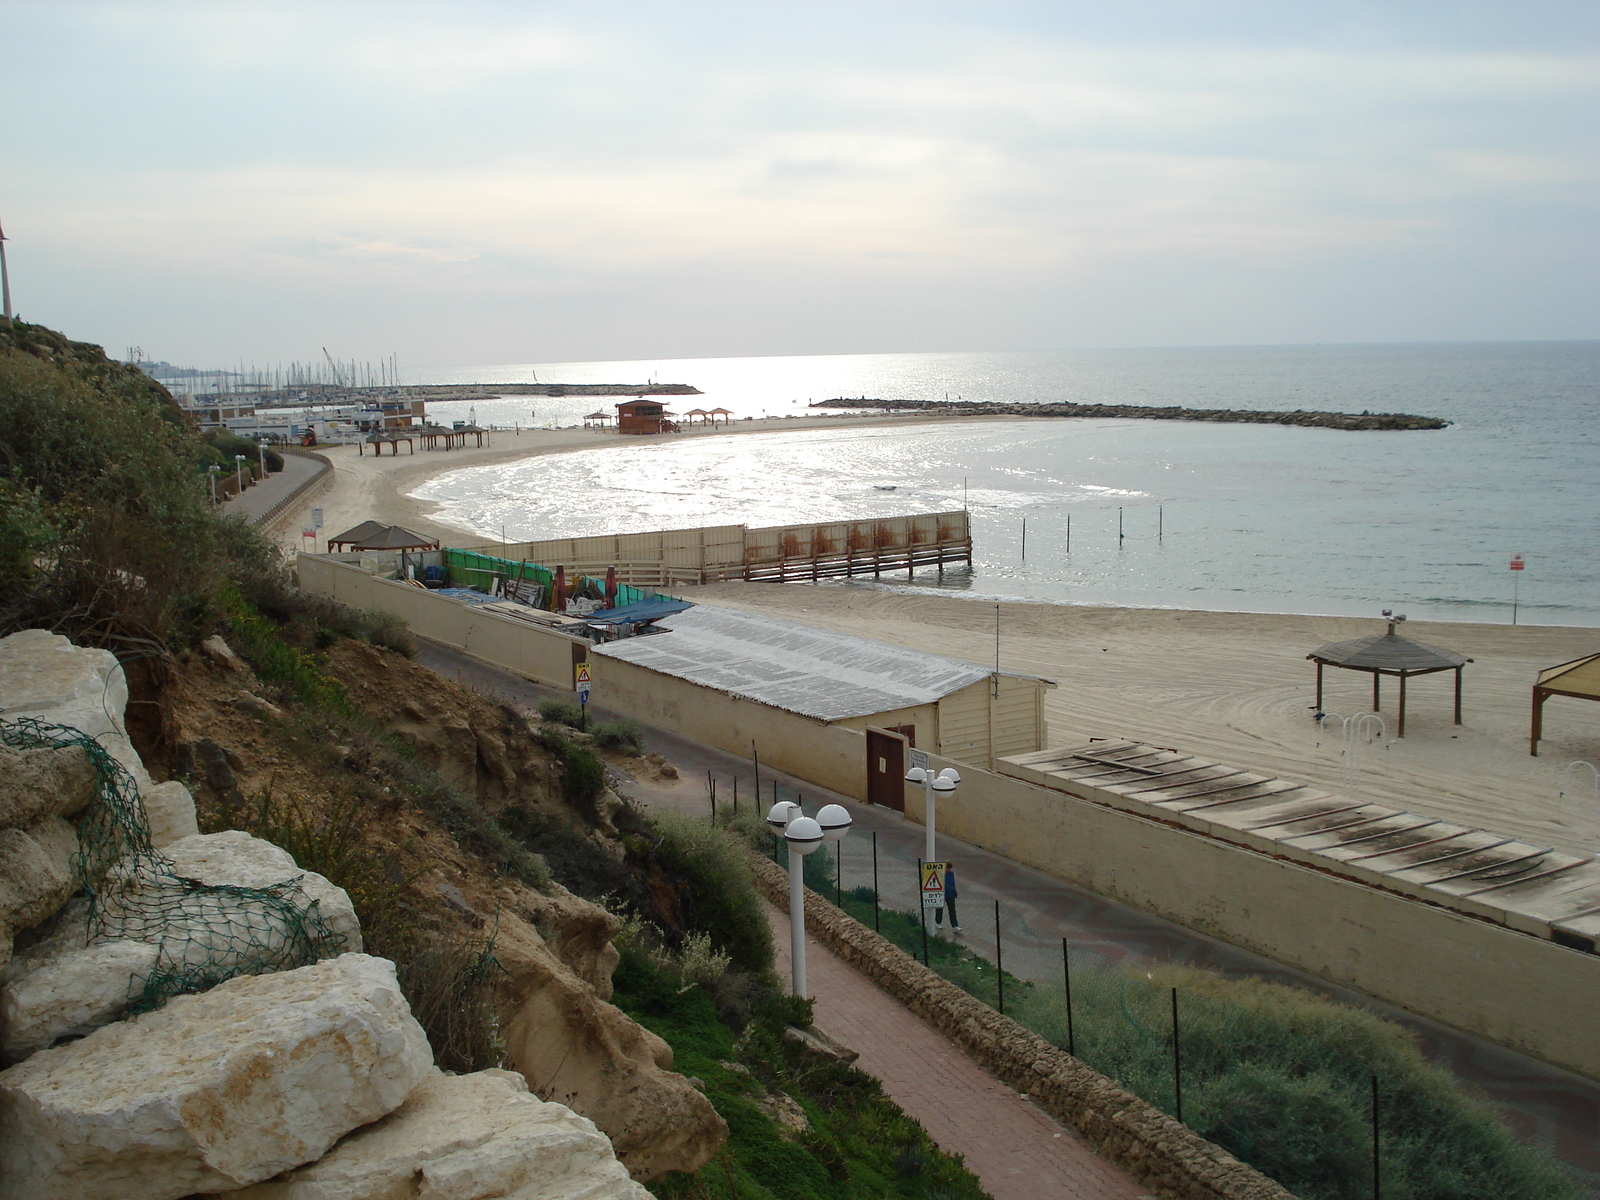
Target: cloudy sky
524, 182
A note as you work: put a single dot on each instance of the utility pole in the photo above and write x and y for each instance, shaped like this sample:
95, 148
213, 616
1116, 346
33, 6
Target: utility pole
5, 284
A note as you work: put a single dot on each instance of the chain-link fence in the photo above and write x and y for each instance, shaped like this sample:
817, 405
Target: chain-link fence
1333, 1102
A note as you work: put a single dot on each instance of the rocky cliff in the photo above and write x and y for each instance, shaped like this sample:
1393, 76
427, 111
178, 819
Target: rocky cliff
189, 1012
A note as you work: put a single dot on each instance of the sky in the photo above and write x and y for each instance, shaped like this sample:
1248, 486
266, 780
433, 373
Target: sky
472, 183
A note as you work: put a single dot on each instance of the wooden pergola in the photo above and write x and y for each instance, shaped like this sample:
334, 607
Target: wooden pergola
374, 535
1579, 679
721, 416
379, 440
602, 419
1389, 654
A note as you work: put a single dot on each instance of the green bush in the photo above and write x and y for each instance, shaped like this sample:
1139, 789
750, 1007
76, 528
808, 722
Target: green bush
722, 899
620, 735
223, 445
562, 712
583, 775
107, 532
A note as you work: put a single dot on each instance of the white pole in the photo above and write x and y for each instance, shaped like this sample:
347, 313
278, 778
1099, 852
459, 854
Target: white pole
928, 803
797, 920
5, 282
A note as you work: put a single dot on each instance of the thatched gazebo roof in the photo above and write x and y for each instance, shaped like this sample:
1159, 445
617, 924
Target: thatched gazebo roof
373, 535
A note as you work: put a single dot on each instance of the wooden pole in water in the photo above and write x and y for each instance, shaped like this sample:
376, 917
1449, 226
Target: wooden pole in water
1069, 533
1024, 539
1119, 527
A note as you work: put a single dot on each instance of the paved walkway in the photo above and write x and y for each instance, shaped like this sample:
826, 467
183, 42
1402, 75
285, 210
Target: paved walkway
1549, 1107
1016, 1150
253, 503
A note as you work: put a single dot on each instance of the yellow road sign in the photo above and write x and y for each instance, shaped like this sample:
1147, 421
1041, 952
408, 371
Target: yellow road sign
933, 876
583, 673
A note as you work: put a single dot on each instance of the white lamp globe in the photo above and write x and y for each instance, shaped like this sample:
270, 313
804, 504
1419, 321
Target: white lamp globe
951, 774
944, 786
782, 813
835, 821
916, 775
803, 835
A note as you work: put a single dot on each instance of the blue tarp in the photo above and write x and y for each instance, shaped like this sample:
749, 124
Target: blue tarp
645, 610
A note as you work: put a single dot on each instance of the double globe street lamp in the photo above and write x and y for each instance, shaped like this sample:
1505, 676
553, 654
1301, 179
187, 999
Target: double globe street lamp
934, 785
803, 835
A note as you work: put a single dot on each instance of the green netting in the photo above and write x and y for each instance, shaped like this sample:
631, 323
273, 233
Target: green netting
205, 934
471, 569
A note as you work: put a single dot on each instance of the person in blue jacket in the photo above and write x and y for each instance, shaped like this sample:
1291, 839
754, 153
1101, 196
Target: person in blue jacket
949, 900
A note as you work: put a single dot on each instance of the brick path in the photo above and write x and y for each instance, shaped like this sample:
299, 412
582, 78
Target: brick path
1015, 1149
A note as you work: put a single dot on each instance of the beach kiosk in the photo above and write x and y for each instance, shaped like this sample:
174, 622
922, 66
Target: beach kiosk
644, 416
1389, 654
1579, 678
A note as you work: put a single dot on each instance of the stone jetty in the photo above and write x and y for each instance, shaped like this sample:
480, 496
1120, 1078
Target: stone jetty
1243, 416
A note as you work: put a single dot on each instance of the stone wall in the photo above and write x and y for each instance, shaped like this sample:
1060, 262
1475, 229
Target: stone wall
1158, 1151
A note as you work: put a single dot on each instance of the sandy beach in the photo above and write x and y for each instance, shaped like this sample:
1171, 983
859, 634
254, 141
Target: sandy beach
1235, 687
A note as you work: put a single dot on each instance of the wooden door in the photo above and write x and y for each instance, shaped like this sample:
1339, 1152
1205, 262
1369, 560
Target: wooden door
886, 770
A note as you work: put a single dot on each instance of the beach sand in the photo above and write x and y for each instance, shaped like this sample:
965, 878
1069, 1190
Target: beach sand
1234, 687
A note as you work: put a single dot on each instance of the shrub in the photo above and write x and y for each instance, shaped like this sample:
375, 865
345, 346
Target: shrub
583, 776
722, 898
563, 712
621, 735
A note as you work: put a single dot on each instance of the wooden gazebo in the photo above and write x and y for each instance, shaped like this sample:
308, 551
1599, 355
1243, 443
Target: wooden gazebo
1389, 654
374, 535
1579, 678
601, 419
720, 416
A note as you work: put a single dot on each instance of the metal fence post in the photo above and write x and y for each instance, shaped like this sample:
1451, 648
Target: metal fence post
1177, 1076
1376, 1186
877, 927
1066, 976
999, 963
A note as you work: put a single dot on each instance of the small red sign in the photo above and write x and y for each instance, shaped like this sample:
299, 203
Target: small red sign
1516, 562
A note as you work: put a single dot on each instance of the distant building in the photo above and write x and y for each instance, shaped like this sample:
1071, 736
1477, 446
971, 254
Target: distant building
644, 416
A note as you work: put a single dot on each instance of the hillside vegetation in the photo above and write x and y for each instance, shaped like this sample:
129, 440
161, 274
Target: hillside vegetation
442, 812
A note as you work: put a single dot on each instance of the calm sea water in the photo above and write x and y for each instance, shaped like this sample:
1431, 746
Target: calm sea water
1230, 517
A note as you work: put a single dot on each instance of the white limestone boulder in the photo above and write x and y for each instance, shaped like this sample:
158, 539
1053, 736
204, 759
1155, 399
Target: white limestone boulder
42, 783
36, 876
465, 1137
43, 675
169, 808
235, 857
62, 986
215, 1091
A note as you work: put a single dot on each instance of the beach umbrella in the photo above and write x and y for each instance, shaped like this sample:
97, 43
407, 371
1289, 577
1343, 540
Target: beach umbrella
611, 586
561, 589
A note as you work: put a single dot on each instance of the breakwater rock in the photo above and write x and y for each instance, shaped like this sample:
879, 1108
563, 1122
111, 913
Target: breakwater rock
1242, 416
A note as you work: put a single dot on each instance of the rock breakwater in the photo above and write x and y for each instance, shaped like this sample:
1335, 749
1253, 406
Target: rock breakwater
1243, 416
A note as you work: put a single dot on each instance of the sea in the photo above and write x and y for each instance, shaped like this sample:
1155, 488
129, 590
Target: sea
1194, 515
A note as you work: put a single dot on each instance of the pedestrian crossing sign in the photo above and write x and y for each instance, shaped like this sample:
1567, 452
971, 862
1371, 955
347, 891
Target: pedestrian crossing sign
933, 884
583, 673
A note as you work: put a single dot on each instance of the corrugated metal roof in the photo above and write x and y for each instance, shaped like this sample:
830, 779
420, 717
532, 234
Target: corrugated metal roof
815, 672
1388, 652
1535, 889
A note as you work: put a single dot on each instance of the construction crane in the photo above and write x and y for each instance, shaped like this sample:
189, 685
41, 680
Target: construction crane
338, 376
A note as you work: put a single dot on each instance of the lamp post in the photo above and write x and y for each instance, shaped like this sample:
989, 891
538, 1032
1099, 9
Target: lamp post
803, 835
212, 470
933, 785
238, 466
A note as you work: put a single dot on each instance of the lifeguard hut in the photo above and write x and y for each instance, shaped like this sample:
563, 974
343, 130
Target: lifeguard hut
644, 416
